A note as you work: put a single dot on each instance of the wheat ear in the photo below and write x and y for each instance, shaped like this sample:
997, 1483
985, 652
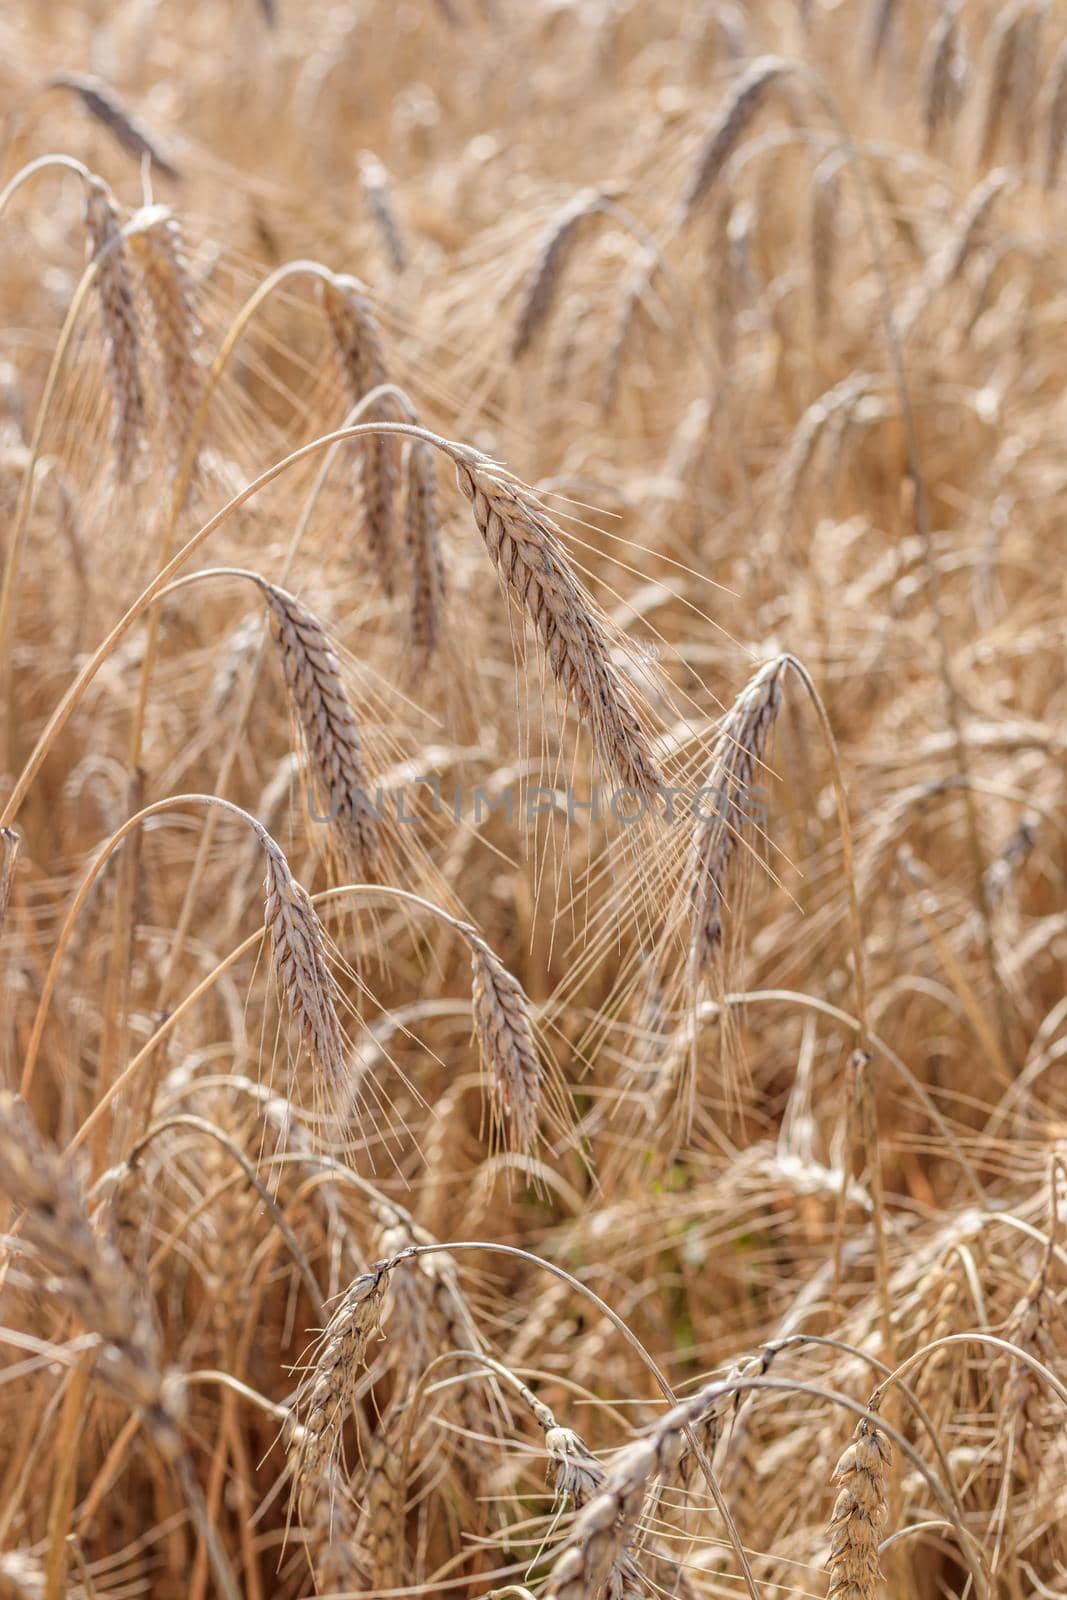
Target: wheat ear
860, 1515
542, 281
87, 1272
361, 358
102, 102
115, 294
160, 254
300, 966
422, 533
734, 119
9, 852
378, 198
328, 727
527, 551
1056, 120
506, 1043
328, 1387
736, 756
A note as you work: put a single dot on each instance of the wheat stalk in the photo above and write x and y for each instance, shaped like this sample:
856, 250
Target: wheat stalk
119, 315
528, 553
328, 727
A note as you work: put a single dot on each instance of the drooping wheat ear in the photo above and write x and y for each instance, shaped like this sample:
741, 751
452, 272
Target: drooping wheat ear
328, 1522
527, 550
736, 758
941, 74
378, 198
1056, 119
542, 281
328, 1386
160, 254
881, 27
579, 1475
735, 118
1003, 48
636, 287
860, 1515
121, 334
383, 1509
358, 344
506, 1044
86, 1272
422, 533
825, 202
323, 713
606, 1524
299, 959
9, 851
102, 102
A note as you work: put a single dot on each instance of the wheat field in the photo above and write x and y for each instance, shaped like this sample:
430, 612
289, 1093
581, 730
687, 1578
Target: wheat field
532, 749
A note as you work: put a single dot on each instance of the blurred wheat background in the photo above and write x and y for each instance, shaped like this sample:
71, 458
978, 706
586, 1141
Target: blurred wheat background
532, 750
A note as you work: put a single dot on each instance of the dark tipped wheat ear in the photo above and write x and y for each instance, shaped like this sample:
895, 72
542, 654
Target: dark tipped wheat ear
119, 316
527, 551
102, 102
328, 727
378, 198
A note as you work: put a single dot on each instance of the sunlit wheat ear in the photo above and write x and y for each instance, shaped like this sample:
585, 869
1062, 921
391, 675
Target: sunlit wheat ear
860, 1515
605, 1526
422, 533
734, 120
825, 203
507, 1045
942, 74
323, 713
736, 758
329, 1384
383, 1509
542, 281
119, 316
1006, 53
86, 1272
1056, 120
378, 198
160, 254
9, 851
299, 959
579, 1475
361, 358
528, 553
104, 104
